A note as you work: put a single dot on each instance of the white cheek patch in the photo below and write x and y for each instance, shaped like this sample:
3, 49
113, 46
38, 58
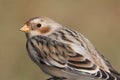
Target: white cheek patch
34, 33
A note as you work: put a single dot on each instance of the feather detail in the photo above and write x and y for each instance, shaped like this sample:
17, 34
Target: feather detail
64, 53
59, 55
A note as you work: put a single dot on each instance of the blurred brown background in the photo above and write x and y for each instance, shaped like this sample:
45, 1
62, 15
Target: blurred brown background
98, 20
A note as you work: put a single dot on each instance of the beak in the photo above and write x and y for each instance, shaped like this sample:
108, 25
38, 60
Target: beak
25, 28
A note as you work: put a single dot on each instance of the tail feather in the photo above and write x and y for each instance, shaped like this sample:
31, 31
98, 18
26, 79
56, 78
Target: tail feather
115, 73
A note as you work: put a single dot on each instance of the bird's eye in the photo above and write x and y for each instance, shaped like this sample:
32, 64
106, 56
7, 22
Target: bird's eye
38, 25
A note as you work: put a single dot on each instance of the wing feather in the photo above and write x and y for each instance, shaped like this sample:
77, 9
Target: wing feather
60, 55
56, 53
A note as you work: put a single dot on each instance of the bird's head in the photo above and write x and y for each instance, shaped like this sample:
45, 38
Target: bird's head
40, 26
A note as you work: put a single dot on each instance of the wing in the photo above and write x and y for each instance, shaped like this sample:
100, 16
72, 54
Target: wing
63, 56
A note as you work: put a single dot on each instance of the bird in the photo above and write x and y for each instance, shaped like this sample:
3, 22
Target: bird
64, 53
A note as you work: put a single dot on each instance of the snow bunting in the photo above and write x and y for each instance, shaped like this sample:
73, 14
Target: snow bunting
63, 53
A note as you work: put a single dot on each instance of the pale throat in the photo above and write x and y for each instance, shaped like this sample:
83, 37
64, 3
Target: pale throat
33, 33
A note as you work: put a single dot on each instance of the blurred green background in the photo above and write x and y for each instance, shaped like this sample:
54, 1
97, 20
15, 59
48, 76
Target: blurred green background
98, 20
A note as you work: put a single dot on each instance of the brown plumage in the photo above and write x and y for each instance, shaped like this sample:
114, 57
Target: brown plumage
64, 53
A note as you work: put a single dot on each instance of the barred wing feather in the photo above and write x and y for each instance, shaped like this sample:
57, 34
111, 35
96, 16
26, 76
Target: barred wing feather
60, 55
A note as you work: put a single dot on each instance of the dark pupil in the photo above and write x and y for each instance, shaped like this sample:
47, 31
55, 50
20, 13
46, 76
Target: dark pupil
38, 25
